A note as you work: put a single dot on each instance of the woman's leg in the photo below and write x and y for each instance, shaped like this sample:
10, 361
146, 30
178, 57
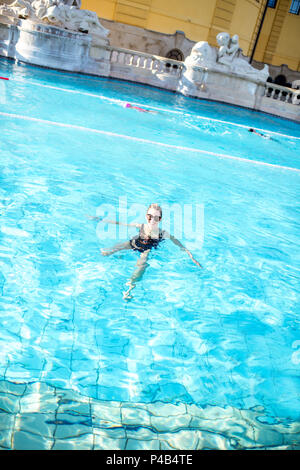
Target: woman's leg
137, 274
115, 248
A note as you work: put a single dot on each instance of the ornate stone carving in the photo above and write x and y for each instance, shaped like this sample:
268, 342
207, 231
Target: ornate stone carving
229, 47
225, 59
202, 54
62, 13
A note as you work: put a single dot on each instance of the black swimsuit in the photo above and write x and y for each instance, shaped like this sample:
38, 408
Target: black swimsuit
144, 243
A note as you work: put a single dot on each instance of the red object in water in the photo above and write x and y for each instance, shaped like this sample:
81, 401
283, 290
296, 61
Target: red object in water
4, 78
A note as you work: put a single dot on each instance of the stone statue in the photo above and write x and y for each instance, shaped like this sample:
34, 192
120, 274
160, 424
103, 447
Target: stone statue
229, 47
225, 59
62, 13
202, 54
71, 17
73, 3
17, 9
40, 7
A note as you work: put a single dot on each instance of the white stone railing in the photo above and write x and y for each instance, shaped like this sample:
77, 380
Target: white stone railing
282, 93
145, 61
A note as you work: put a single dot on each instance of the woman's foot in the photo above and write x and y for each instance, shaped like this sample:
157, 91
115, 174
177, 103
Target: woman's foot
126, 294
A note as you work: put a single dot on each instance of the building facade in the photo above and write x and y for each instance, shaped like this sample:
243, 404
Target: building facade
268, 30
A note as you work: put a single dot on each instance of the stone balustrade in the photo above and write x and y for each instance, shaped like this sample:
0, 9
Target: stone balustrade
145, 68
281, 93
142, 60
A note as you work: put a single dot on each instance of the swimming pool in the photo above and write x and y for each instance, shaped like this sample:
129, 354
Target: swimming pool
212, 346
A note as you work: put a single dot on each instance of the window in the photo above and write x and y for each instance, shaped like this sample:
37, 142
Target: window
295, 7
175, 54
272, 3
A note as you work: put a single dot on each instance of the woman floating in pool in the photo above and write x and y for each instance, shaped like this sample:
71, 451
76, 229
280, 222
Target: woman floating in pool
150, 235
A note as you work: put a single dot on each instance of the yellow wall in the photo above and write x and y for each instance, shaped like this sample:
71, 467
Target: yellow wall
202, 20
192, 17
264, 35
279, 41
103, 8
189, 13
244, 21
165, 16
288, 47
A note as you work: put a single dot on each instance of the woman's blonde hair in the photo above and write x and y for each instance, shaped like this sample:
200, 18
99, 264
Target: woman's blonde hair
157, 207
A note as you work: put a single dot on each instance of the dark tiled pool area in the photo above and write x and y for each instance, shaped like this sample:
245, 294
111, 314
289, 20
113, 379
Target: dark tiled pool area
36, 416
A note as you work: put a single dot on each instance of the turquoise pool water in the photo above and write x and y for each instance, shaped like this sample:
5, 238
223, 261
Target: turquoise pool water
227, 335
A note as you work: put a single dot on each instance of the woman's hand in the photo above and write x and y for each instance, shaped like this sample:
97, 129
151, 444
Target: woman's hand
197, 263
194, 260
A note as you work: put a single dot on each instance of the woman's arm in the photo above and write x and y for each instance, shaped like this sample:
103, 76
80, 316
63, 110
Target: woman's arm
182, 247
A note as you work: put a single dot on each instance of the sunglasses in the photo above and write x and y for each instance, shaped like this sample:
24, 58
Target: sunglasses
155, 217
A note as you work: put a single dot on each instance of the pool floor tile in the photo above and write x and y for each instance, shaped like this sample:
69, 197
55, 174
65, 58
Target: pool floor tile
36, 423
133, 444
102, 442
27, 441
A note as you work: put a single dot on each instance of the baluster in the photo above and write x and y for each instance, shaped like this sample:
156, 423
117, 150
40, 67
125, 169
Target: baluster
175, 69
134, 60
151, 63
121, 58
131, 59
115, 56
126, 58
296, 97
179, 71
268, 91
161, 67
